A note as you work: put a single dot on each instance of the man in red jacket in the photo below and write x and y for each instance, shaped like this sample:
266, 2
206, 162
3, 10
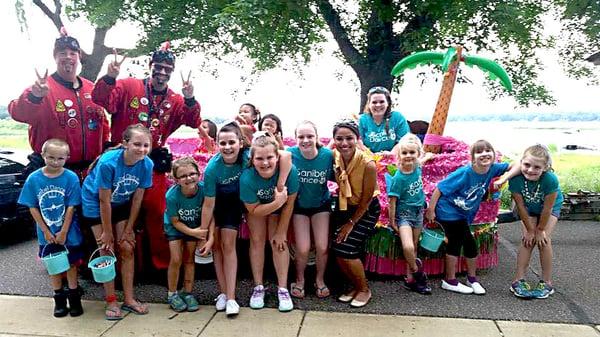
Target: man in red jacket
60, 106
150, 102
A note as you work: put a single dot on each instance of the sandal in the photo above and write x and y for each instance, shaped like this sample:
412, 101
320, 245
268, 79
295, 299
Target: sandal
137, 308
113, 313
297, 291
322, 292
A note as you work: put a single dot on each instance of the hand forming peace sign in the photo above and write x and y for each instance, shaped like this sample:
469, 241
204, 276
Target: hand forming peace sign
115, 66
40, 87
187, 88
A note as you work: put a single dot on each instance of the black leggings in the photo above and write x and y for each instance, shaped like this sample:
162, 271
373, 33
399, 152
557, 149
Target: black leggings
459, 236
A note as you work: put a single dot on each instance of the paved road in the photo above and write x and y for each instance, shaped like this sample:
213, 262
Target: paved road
576, 270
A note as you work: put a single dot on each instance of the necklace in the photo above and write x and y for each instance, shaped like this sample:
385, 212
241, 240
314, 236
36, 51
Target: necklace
528, 193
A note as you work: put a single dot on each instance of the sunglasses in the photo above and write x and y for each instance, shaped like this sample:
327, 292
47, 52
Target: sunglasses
378, 90
159, 67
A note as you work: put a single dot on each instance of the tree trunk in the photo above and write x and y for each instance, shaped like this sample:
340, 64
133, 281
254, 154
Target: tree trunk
370, 79
91, 64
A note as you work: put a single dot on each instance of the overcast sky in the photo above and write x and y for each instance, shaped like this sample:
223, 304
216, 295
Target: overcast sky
319, 95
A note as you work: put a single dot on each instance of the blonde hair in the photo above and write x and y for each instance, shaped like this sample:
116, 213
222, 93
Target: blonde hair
409, 139
539, 151
263, 140
311, 124
57, 143
182, 162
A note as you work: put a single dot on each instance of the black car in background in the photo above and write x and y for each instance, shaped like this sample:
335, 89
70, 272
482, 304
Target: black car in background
15, 221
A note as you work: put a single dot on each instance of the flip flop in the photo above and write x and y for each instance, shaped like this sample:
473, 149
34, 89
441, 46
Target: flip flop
113, 313
322, 292
138, 308
297, 291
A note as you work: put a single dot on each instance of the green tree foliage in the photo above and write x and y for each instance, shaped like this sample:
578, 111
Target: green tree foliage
102, 14
372, 35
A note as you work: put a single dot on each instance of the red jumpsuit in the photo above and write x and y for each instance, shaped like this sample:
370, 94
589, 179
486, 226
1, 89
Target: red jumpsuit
67, 114
132, 101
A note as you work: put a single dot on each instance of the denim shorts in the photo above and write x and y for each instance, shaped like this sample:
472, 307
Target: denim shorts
412, 217
172, 234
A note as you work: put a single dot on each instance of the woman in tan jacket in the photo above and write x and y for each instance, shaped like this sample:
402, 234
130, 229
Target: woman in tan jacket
357, 209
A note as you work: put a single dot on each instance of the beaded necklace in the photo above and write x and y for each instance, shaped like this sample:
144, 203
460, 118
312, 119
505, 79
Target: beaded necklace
536, 192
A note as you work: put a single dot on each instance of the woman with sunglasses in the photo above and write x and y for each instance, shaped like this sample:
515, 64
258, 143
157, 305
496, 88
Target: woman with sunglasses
381, 128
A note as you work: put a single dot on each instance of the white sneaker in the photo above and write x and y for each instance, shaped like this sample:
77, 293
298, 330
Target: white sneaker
478, 289
459, 288
285, 301
220, 302
232, 308
257, 301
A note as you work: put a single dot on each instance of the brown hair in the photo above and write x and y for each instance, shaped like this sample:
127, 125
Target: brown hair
181, 162
388, 111
127, 134
233, 127
480, 146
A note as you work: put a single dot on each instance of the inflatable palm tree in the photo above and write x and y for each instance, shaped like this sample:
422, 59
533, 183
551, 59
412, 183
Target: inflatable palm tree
450, 62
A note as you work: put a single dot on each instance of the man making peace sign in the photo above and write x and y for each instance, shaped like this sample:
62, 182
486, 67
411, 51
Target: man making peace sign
150, 102
60, 106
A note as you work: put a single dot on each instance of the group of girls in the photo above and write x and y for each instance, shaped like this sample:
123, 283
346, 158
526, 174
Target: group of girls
252, 175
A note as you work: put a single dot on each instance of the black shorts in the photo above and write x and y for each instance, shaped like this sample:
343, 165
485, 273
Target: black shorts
228, 210
326, 207
459, 238
354, 246
118, 213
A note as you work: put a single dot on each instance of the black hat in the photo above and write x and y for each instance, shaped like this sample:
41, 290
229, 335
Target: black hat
65, 41
164, 55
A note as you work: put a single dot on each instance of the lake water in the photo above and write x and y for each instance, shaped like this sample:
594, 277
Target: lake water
514, 137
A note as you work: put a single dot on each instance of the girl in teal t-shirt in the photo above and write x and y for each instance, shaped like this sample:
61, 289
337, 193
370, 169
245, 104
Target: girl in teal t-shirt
222, 202
406, 201
181, 226
538, 198
269, 214
313, 205
381, 128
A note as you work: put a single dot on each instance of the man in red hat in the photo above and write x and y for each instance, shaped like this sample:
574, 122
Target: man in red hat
60, 106
152, 103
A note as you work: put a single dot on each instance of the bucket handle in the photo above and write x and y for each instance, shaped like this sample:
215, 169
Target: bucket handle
50, 243
97, 250
436, 224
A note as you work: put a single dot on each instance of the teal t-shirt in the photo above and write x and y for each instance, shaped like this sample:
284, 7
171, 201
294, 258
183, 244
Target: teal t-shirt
254, 188
220, 177
408, 188
313, 175
374, 136
187, 209
534, 192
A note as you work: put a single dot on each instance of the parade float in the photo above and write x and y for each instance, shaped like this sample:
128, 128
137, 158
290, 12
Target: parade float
383, 250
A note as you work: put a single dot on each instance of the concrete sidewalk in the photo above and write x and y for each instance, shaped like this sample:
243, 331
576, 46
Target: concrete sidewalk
32, 316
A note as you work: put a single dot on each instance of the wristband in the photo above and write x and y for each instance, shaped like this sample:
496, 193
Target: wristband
351, 221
